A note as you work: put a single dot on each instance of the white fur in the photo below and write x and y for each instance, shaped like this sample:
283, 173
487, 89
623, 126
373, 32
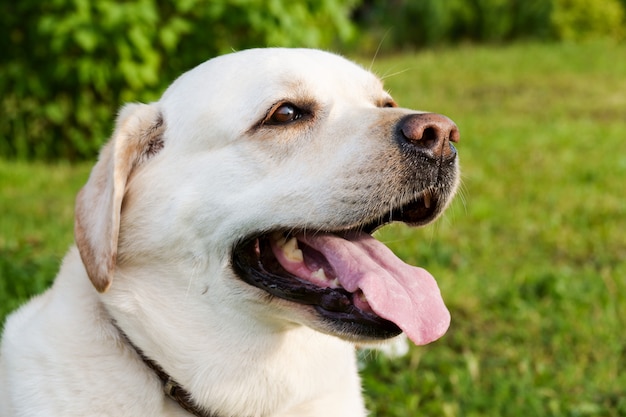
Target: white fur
166, 279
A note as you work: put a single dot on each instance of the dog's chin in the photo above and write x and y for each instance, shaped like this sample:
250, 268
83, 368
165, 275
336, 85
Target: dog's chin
273, 260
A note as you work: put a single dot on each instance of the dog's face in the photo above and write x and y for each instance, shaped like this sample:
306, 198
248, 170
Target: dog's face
252, 187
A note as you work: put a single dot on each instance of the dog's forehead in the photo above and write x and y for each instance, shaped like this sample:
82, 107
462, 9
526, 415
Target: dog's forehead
274, 72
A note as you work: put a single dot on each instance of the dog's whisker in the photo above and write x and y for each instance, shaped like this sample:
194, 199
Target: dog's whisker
393, 74
380, 44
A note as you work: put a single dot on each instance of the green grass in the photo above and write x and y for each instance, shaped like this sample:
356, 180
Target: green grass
37, 208
531, 257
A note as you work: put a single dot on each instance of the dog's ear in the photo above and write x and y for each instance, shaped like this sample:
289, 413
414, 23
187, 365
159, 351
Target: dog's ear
137, 137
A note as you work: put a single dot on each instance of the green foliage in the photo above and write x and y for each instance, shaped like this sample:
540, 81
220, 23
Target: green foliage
430, 22
576, 20
67, 65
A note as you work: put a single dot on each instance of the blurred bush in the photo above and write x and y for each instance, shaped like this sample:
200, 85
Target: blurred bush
575, 20
67, 65
419, 23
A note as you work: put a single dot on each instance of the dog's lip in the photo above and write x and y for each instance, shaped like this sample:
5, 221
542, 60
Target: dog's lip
254, 260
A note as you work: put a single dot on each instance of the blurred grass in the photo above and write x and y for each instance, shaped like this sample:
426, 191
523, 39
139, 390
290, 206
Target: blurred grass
530, 257
37, 207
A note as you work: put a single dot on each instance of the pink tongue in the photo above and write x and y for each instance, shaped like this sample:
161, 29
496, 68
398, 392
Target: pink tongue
396, 291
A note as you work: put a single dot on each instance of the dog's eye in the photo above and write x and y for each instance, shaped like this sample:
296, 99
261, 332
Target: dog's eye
389, 103
284, 113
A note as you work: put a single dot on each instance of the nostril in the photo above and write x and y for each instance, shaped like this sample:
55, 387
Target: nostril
430, 137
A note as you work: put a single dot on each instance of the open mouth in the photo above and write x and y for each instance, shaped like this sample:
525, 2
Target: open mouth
355, 284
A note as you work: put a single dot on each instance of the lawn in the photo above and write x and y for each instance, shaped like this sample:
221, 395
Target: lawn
531, 257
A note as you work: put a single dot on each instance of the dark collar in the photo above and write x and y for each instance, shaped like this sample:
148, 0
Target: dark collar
171, 388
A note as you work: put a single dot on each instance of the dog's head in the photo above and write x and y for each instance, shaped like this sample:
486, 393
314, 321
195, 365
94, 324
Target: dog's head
259, 177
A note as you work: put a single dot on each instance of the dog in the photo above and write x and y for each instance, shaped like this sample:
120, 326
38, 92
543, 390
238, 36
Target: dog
224, 264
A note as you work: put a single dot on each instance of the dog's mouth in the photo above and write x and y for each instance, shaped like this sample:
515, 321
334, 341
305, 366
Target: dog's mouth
354, 282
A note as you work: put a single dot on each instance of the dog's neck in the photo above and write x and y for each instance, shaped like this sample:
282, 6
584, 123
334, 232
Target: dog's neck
171, 388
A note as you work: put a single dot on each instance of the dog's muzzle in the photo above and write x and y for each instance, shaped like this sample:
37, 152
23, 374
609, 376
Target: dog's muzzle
357, 287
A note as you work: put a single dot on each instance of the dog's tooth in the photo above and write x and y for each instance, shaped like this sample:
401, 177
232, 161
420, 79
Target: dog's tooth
291, 250
426, 197
320, 274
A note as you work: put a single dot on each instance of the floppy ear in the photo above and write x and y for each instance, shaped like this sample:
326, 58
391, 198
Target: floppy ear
138, 136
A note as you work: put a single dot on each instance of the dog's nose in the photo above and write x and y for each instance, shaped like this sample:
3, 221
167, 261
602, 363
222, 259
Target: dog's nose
431, 132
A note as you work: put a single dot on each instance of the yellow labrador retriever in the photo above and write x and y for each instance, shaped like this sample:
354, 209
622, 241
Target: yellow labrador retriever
224, 264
